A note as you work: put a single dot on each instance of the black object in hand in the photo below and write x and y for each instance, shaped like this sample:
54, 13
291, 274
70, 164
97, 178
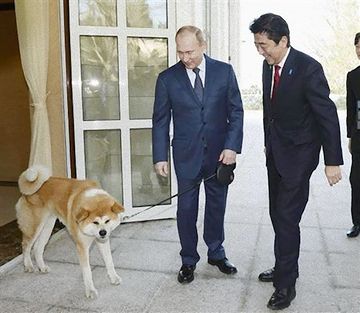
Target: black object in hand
225, 173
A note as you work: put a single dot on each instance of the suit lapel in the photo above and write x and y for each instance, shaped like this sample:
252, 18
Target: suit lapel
210, 77
183, 79
288, 71
267, 70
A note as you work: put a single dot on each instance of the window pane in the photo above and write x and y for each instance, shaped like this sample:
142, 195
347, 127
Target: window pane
100, 77
103, 160
97, 12
146, 13
147, 57
147, 187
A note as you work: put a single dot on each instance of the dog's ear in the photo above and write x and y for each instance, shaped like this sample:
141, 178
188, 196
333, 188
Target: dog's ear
81, 215
117, 208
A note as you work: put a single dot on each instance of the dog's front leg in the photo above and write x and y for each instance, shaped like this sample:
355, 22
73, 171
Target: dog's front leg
104, 248
83, 251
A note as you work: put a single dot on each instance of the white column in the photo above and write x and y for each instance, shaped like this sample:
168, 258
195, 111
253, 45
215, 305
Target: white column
219, 29
234, 36
191, 12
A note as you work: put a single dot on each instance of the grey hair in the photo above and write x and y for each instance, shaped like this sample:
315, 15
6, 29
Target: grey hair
194, 30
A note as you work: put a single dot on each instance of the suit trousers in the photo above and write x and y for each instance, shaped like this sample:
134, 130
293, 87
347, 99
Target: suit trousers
187, 214
355, 188
288, 197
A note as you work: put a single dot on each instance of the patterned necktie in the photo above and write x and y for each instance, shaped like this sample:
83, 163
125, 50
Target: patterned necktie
276, 81
198, 86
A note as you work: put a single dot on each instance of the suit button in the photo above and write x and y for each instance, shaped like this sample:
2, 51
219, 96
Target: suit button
271, 120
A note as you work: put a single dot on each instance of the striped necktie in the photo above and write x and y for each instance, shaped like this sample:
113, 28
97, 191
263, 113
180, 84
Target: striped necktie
198, 86
276, 81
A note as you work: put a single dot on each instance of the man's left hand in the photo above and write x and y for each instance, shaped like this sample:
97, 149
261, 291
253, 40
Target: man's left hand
228, 156
333, 174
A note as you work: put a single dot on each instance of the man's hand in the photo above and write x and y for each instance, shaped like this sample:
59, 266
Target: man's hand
161, 168
228, 156
333, 174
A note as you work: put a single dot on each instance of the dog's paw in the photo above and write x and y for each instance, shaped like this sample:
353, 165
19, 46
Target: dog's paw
28, 269
91, 293
44, 269
115, 279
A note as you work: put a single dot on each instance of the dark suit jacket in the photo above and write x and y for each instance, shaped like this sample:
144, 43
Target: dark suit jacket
352, 96
217, 123
302, 119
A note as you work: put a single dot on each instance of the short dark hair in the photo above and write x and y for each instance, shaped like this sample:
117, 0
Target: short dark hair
274, 26
357, 38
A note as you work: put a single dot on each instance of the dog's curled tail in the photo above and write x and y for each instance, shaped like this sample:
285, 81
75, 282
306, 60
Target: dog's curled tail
31, 180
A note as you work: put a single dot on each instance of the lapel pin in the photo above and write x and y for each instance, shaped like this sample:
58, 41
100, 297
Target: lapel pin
290, 71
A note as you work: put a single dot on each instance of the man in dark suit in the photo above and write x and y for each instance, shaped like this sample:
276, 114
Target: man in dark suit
299, 119
202, 97
353, 133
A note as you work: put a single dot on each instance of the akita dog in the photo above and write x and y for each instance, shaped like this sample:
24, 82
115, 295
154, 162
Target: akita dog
88, 212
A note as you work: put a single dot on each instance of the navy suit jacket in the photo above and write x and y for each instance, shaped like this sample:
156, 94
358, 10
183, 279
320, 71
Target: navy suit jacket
216, 123
352, 96
301, 119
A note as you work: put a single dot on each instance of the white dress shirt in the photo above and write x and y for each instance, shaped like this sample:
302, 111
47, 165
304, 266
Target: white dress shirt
192, 75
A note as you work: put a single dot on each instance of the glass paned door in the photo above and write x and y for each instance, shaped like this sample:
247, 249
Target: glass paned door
147, 187
103, 159
114, 70
97, 13
99, 78
146, 13
147, 57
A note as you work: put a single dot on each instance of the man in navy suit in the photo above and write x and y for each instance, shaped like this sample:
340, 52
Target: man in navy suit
202, 97
353, 133
299, 120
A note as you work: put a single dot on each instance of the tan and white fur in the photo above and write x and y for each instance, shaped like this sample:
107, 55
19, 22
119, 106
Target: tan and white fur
88, 212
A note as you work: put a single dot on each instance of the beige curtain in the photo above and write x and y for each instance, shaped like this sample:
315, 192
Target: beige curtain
32, 19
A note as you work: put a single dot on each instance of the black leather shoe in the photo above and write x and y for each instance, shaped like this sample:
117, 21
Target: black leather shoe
354, 231
186, 274
281, 298
267, 276
224, 266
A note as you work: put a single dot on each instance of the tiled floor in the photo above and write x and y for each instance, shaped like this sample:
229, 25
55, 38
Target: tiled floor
146, 256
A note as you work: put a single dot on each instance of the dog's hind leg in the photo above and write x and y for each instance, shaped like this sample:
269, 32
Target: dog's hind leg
83, 247
30, 228
27, 243
41, 241
104, 248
